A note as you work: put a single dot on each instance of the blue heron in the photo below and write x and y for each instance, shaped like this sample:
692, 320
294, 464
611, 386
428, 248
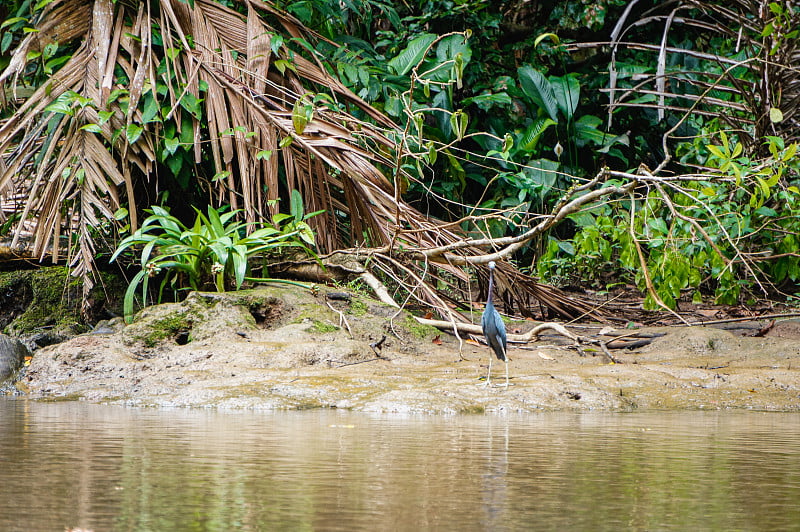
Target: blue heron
494, 330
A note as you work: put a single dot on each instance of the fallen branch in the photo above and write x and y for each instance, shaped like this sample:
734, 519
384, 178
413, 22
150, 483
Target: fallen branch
471, 328
379, 288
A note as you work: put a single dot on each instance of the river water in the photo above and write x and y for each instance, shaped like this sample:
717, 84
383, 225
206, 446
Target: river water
103, 468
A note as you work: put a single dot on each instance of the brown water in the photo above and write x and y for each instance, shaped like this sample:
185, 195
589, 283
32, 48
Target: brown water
108, 468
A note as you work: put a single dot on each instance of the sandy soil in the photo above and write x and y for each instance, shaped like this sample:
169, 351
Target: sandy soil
275, 348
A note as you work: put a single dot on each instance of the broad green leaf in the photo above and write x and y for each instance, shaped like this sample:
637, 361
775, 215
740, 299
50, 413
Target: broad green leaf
716, 151
452, 46
150, 110
133, 132
296, 206
763, 186
13, 20
530, 137
790, 152
586, 130
239, 257
5, 44
412, 54
567, 91
658, 225
92, 128
116, 94
538, 89
192, 104
105, 116
56, 62
215, 222
282, 65
175, 163
488, 100
62, 104
171, 144
773, 179
130, 294
542, 174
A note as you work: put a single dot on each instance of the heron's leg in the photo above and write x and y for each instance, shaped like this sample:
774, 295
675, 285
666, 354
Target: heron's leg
489, 374
505, 359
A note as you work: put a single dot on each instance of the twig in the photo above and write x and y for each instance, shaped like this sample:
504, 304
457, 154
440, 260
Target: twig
342, 319
606, 352
434, 298
343, 364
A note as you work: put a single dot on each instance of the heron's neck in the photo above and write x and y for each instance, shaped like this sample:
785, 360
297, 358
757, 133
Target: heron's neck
490, 297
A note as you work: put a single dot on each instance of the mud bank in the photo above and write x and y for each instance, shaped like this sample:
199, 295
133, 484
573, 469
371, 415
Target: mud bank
277, 348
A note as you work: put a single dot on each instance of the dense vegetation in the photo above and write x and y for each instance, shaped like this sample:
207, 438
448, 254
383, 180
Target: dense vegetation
676, 121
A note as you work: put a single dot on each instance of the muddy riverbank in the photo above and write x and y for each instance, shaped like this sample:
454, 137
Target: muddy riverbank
277, 348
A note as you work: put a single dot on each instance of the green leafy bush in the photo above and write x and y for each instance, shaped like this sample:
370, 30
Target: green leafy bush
214, 251
730, 232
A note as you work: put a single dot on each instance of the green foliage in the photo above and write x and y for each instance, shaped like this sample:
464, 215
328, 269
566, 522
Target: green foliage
213, 251
697, 248
496, 119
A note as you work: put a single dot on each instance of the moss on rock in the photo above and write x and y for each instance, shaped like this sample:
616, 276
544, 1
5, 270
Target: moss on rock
51, 299
418, 330
176, 327
322, 327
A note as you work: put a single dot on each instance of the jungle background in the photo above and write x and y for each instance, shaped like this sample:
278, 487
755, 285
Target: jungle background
638, 147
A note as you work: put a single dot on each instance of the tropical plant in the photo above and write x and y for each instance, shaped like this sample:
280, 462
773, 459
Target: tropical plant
216, 250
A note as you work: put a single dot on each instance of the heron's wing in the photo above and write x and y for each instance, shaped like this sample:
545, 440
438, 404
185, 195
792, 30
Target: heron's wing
501, 330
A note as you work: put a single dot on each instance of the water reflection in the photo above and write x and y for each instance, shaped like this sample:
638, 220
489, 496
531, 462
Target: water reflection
109, 468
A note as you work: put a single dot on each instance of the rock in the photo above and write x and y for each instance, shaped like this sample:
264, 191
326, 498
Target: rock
12, 356
108, 326
45, 305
